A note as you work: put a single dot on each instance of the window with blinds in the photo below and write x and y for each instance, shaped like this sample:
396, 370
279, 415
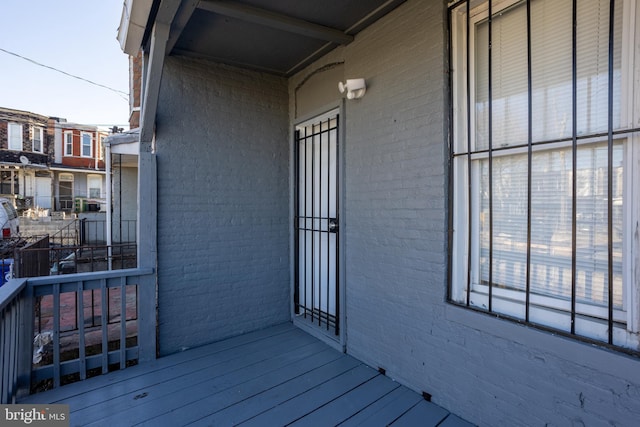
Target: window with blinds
14, 136
546, 115
38, 136
86, 145
68, 143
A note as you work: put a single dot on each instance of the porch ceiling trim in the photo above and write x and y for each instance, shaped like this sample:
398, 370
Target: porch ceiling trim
239, 64
275, 20
374, 15
71, 169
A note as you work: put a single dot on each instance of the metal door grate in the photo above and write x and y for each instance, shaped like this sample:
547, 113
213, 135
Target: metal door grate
316, 222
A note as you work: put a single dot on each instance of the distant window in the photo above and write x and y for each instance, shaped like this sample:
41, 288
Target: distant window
9, 183
65, 191
38, 136
68, 143
15, 136
94, 182
101, 149
86, 144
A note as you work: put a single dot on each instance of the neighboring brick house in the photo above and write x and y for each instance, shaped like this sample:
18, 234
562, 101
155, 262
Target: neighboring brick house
49, 163
25, 144
78, 166
135, 71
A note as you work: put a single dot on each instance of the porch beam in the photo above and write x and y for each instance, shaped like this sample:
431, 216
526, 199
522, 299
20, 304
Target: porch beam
319, 53
180, 21
147, 194
228, 61
159, 36
374, 15
147, 252
167, 11
152, 83
275, 20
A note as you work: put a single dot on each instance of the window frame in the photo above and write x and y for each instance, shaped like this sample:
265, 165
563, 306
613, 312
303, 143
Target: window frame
12, 130
464, 246
37, 130
91, 178
101, 147
83, 146
68, 143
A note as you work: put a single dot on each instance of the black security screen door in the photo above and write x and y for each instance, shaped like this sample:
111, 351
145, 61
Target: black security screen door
316, 221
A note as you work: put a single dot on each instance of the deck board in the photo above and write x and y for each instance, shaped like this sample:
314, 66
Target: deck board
158, 365
261, 393
348, 403
301, 405
277, 376
170, 395
189, 373
423, 413
385, 410
185, 405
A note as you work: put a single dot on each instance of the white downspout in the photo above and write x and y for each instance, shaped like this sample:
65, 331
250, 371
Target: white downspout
107, 155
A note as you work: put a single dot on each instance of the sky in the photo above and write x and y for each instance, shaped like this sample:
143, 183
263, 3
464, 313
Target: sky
78, 37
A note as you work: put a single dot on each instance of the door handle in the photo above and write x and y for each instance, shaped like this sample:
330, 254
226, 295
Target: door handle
333, 225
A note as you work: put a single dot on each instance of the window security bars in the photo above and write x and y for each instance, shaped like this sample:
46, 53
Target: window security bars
545, 115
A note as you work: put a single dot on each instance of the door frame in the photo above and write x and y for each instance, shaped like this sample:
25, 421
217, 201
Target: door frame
339, 341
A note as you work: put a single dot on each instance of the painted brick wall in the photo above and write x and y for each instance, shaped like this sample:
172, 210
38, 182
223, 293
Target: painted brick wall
223, 223
490, 371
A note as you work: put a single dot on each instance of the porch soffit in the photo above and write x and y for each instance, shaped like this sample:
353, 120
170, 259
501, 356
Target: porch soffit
276, 36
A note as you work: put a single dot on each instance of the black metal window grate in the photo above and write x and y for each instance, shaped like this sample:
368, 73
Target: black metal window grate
544, 121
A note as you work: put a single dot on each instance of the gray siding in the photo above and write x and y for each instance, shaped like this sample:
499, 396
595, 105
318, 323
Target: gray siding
490, 371
125, 207
222, 150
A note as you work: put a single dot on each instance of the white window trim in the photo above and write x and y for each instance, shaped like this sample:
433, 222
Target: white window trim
629, 119
38, 130
82, 135
10, 134
96, 178
68, 143
101, 147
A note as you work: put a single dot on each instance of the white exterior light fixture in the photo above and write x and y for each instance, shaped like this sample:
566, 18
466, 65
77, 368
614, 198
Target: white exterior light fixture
355, 88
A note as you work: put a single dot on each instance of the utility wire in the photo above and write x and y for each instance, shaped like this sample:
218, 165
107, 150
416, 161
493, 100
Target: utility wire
119, 92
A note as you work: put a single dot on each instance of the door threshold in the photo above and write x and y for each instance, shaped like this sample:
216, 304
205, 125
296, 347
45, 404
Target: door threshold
328, 336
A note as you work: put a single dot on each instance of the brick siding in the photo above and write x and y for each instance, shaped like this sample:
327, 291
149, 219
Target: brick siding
223, 231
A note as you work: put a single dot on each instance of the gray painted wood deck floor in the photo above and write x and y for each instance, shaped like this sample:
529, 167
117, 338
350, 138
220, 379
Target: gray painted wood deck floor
274, 377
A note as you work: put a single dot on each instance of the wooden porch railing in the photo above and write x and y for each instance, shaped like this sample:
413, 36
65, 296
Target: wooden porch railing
89, 329
14, 344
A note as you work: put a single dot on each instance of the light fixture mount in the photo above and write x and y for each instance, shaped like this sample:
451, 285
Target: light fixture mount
355, 88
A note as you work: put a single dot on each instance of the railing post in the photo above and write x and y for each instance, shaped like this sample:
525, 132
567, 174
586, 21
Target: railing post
82, 232
25, 346
147, 253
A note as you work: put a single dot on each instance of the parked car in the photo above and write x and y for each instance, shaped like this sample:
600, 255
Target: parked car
9, 221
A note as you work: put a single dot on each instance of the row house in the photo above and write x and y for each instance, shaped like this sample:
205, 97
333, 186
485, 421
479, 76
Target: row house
49, 163
25, 142
78, 166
